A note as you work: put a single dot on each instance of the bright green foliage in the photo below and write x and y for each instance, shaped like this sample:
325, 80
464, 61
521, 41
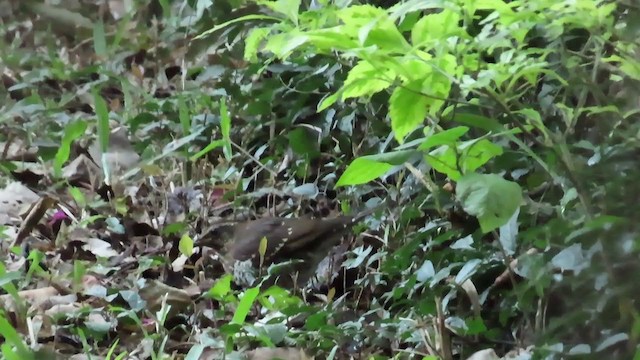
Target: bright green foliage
489, 197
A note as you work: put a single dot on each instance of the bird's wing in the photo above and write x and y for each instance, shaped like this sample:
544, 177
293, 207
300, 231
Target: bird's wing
246, 240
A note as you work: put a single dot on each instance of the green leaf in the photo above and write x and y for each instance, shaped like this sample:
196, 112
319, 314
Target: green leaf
103, 120
478, 121
8, 277
477, 152
408, 109
240, 19
435, 27
415, 69
244, 306
444, 159
186, 245
372, 26
281, 45
288, 8
221, 288
12, 337
78, 197
252, 43
195, 352
628, 66
361, 171
72, 132
446, 137
467, 271
183, 115
212, 145
329, 100
358, 16
406, 7
489, 197
385, 36
262, 249
328, 40
398, 157
225, 128
364, 79
99, 39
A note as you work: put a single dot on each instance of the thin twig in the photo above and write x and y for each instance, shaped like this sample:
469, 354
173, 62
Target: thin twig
254, 159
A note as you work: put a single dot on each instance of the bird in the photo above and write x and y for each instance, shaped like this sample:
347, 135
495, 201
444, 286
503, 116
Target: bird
295, 245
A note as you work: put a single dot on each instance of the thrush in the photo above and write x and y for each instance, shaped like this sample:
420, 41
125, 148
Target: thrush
295, 245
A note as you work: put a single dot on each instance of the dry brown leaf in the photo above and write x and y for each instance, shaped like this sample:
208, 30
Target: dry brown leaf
469, 287
18, 150
154, 292
82, 170
512, 266
34, 297
16, 198
99, 248
36, 213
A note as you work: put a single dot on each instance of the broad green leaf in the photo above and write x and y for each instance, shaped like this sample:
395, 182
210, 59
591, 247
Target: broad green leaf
490, 198
571, 258
364, 79
358, 16
372, 26
282, 45
244, 306
446, 137
253, 42
221, 288
361, 171
467, 271
72, 132
435, 27
416, 69
186, 245
444, 159
476, 153
628, 66
398, 157
329, 100
400, 66
438, 83
406, 7
478, 121
408, 109
509, 234
288, 8
612, 340
498, 5
329, 40
385, 36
